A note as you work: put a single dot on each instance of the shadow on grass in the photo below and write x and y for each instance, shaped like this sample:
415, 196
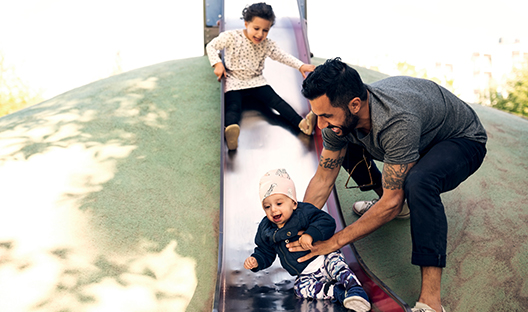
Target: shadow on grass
109, 191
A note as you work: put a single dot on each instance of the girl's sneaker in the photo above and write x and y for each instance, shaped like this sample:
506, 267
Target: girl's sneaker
356, 299
231, 134
307, 125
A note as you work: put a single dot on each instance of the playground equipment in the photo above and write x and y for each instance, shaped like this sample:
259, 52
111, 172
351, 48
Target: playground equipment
264, 146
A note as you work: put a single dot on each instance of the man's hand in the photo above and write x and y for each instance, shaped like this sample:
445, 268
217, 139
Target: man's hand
318, 248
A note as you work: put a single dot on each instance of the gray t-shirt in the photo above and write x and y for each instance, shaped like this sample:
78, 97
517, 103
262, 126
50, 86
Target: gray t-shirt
409, 115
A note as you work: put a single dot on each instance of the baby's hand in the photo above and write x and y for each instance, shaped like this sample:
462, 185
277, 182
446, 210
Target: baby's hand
250, 263
306, 241
306, 68
219, 70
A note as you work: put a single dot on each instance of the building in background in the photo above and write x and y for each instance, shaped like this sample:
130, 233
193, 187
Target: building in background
493, 67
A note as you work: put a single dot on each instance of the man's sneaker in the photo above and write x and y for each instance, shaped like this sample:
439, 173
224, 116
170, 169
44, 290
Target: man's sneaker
361, 207
356, 299
422, 307
231, 136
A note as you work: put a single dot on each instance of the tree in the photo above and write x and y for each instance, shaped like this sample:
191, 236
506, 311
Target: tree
410, 70
514, 99
15, 94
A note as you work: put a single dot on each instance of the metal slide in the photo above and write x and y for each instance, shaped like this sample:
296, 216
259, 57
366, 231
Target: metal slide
264, 144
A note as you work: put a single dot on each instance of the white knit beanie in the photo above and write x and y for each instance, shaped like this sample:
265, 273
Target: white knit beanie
277, 181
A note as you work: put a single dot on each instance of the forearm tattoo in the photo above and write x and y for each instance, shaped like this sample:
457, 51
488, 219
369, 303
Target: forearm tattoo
330, 163
394, 176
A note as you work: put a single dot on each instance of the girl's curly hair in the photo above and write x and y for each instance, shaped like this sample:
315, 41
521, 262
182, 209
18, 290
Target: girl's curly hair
261, 10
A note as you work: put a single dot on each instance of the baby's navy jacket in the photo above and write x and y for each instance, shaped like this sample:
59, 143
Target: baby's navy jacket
271, 241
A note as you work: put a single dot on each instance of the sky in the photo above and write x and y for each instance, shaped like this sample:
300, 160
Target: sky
412, 29
58, 45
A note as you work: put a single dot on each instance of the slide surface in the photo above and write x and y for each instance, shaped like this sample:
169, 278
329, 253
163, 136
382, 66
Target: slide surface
266, 144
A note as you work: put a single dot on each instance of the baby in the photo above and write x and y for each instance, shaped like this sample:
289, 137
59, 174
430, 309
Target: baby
323, 277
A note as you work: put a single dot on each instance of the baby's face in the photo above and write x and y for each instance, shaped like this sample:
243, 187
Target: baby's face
278, 208
257, 30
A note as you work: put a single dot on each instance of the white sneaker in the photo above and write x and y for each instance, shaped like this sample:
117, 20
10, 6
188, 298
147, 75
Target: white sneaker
422, 307
361, 207
357, 304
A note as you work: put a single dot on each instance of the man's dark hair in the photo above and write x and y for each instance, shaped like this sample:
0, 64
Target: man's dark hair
340, 82
261, 10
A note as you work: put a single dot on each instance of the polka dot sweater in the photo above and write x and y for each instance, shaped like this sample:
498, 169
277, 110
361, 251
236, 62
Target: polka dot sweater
244, 60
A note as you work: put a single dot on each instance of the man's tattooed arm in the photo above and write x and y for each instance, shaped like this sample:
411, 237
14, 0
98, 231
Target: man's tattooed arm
330, 163
394, 176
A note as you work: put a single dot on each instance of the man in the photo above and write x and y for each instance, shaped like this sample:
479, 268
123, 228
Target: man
429, 141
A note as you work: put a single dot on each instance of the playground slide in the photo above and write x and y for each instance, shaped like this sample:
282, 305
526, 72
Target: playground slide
264, 144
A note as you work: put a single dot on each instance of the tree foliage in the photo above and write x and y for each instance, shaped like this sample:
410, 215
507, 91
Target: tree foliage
514, 99
407, 69
15, 94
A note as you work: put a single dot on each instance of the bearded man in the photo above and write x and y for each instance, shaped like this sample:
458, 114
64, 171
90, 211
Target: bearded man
429, 141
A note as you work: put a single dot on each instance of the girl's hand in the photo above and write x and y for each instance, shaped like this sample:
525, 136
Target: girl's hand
306, 68
250, 263
306, 242
219, 70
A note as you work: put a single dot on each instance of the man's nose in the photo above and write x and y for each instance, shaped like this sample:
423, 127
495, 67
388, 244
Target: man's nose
321, 123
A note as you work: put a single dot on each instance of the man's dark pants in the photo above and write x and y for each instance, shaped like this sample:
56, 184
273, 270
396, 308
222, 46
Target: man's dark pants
440, 169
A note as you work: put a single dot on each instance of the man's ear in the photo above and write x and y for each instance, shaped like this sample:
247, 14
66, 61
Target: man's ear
354, 105
294, 204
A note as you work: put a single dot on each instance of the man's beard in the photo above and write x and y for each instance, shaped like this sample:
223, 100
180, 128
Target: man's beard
351, 122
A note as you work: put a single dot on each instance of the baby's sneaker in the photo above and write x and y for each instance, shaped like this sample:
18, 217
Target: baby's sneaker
231, 136
307, 125
361, 207
356, 299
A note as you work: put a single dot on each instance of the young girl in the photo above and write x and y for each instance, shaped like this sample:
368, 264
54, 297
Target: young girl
245, 52
322, 277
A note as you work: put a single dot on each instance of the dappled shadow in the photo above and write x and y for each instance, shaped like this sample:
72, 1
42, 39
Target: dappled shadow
150, 281
83, 117
94, 187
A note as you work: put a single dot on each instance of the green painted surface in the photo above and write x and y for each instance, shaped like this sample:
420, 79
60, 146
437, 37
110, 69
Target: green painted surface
110, 197
114, 185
